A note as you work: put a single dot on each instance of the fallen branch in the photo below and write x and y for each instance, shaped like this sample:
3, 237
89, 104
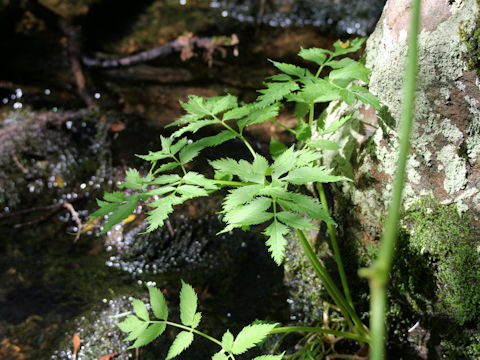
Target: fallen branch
184, 44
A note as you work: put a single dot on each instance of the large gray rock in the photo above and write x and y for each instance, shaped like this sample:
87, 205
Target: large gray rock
444, 161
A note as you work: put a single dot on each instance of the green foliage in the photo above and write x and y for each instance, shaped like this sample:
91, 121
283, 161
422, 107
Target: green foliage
266, 193
144, 330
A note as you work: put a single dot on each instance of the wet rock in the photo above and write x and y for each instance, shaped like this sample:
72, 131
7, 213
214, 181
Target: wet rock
45, 153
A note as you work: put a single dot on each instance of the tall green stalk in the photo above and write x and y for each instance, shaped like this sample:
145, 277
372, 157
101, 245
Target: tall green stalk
347, 310
336, 249
378, 273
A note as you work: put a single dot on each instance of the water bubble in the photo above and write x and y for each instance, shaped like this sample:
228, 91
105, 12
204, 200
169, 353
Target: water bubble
17, 105
13, 97
97, 95
224, 13
54, 109
5, 100
183, 2
47, 92
214, 4
18, 93
83, 186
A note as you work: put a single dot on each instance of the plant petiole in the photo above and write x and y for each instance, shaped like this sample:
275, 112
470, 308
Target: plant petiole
314, 329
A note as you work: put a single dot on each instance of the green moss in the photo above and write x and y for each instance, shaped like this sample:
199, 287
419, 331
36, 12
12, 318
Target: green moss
447, 239
472, 41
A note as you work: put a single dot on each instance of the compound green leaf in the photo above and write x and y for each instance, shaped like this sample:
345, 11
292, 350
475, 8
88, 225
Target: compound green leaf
178, 145
294, 220
304, 204
148, 335
318, 91
167, 166
338, 123
188, 304
105, 209
191, 191
196, 320
165, 179
324, 145
259, 115
276, 242
301, 110
116, 196
280, 77
275, 92
347, 96
218, 139
163, 207
283, 163
196, 106
353, 71
133, 180
158, 303
306, 156
342, 48
130, 323
316, 55
306, 174
238, 112
120, 213
292, 69
182, 341
195, 126
190, 151
140, 309
220, 356
337, 64
161, 190
227, 166
366, 97
135, 333
227, 341
154, 156
219, 104
252, 213
166, 143
194, 178
276, 148
303, 131
260, 165
250, 336
239, 196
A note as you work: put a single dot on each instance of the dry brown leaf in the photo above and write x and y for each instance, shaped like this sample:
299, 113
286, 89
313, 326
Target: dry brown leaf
117, 127
76, 343
108, 356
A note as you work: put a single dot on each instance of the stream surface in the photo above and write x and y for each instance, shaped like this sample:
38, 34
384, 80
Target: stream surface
55, 151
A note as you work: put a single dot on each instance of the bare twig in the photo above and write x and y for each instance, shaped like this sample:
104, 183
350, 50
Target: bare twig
74, 214
183, 44
19, 164
170, 228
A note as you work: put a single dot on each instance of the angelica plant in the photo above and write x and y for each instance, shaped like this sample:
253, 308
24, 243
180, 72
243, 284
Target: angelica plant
142, 329
260, 192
